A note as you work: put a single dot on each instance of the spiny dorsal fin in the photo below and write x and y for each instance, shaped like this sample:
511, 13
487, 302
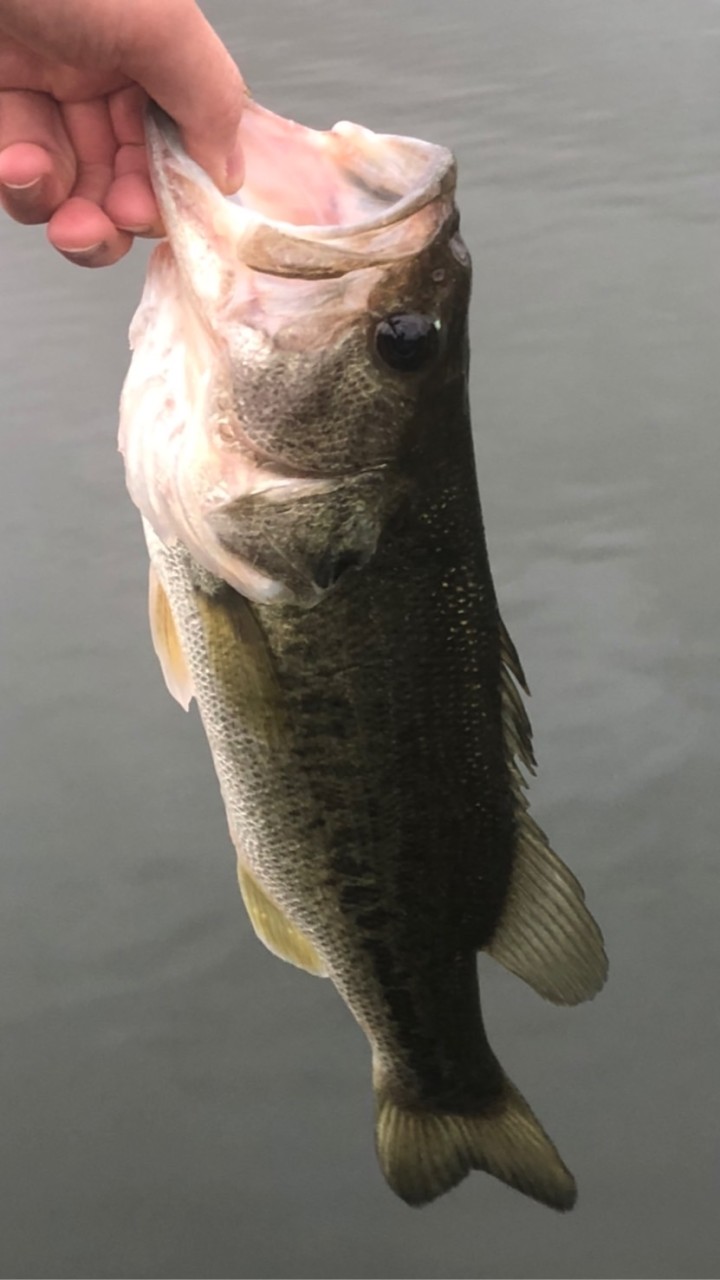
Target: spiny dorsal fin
274, 929
510, 657
546, 934
166, 643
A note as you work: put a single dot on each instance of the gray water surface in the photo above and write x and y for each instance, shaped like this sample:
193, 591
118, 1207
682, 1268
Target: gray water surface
173, 1100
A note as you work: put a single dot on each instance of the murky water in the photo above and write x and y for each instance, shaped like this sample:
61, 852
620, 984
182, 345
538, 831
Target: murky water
175, 1102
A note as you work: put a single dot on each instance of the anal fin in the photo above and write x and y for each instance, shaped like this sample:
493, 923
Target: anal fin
273, 928
166, 643
546, 935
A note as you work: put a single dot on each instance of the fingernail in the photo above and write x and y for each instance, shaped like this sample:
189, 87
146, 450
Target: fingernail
25, 201
22, 186
83, 252
145, 230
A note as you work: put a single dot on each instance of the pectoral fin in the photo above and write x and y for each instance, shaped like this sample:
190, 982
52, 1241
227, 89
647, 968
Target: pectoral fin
239, 659
166, 643
274, 929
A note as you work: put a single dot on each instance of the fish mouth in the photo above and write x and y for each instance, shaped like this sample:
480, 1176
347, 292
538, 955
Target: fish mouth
249, 286
314, 203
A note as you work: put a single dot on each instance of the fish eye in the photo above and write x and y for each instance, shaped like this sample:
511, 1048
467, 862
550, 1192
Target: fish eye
407, 342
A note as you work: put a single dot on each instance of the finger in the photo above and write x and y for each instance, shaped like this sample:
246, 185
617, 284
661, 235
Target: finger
130, 202
81, 229
127, 116
85, 235
37, 162
184, 66
89, 128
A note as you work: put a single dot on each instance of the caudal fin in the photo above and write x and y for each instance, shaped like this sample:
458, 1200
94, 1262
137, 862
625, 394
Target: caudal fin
425, 1153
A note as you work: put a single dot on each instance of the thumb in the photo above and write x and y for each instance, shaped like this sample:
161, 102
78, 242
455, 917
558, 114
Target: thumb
182, 63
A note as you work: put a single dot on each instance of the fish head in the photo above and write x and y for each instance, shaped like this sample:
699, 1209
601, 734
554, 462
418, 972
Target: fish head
290, 349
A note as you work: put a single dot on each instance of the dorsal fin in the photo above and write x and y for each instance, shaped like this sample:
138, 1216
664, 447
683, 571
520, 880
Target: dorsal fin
273, 928
511, 659
546, 934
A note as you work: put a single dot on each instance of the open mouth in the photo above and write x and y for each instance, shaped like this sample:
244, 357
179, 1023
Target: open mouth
338, 180
323, 184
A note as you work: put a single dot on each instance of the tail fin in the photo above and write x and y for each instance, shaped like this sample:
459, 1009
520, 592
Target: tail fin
424, 1153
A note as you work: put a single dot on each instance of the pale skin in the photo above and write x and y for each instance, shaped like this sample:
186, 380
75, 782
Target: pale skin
74, 79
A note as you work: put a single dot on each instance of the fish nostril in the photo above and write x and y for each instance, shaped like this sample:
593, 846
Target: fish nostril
331, 567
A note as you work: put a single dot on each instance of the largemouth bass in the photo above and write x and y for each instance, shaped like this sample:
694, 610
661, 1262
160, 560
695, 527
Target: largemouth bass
296, 434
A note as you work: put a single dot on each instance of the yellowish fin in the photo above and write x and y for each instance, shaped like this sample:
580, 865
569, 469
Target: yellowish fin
166, 643
425, 1153
239, 658
274, 929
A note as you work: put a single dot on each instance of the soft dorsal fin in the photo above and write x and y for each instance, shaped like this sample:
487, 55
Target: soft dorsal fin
546, 934
166, 643
274, 929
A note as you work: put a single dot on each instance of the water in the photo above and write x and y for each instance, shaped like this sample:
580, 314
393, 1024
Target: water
175, 1102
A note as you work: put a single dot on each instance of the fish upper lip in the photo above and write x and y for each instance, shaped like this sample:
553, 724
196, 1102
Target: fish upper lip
428, 185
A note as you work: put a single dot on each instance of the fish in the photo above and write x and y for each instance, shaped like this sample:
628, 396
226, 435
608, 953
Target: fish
296, 434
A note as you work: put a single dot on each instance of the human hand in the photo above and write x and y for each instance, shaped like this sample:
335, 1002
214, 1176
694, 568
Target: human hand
74, 75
